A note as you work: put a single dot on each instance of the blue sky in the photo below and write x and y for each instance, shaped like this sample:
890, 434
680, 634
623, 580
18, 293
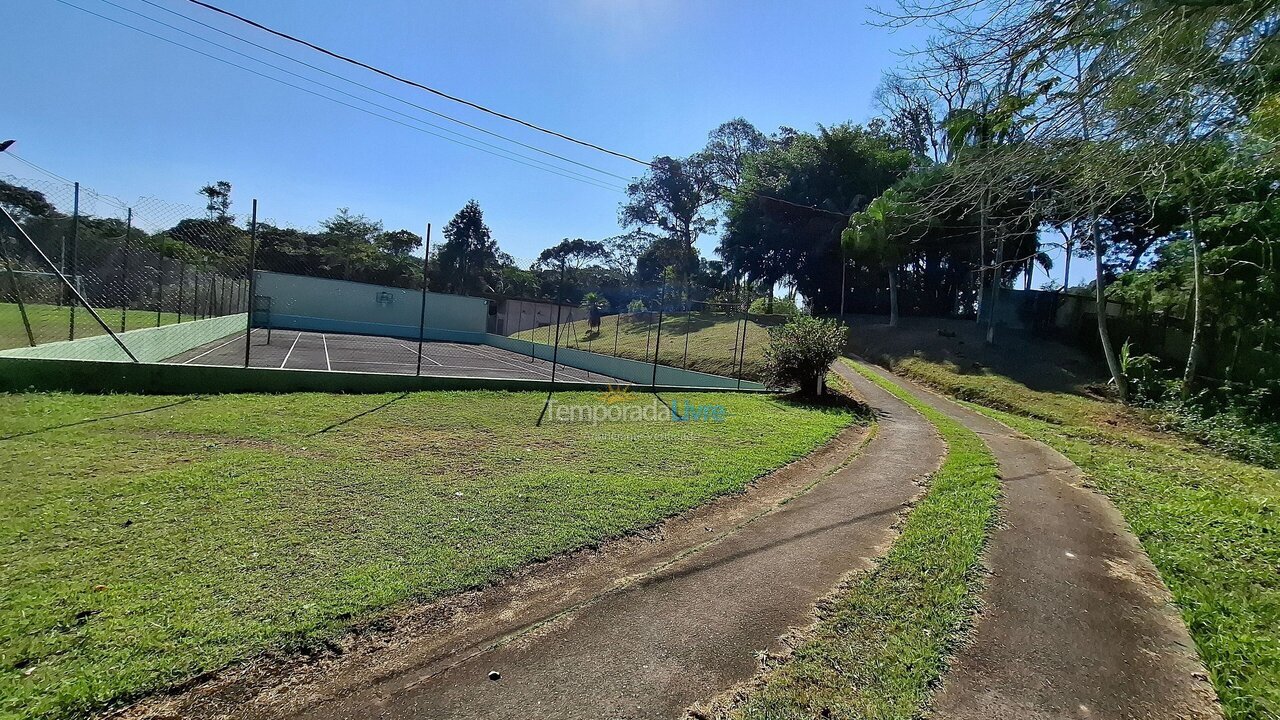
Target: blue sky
132, 116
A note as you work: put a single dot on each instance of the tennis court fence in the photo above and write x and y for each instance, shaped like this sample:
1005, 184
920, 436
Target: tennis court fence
87, 276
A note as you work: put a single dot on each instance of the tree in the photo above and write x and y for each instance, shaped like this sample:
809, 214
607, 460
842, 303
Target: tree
878, 235
673, 196
468, 258
218, 197
728, 148
400, 243
348, 242
570, 254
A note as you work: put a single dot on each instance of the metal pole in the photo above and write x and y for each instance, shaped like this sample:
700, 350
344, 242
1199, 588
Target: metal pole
742, 354
688, 320
182, 281
555, 351
75, 260
657, 341
76, 292
422, 311
844, 269
159, 287
253, 258
17, 293
195, 298
617, 324
124, 280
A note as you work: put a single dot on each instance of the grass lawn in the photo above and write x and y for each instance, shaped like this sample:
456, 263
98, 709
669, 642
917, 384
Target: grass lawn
144, 540
49, 323
882, 642
1210, 524
711, 340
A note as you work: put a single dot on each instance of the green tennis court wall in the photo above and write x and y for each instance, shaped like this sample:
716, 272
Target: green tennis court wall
93, 376
300, 302
149, 345
633, 371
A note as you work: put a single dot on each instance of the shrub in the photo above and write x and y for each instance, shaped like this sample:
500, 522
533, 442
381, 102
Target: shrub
781, 306
801, 351
636, 306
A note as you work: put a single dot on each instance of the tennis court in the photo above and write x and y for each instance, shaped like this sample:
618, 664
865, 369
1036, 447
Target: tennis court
304, 350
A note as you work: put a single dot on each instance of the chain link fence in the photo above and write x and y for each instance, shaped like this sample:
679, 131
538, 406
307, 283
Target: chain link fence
89, 276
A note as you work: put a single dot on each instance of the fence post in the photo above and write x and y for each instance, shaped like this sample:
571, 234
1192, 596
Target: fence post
76, 292
159, 287
688, 320
422, 311
253, 258
657, 341
75, 260
124, 280
182, 282
17, 292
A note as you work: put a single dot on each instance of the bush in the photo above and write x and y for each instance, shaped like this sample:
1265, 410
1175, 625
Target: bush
801, 351
781, 306
636, 306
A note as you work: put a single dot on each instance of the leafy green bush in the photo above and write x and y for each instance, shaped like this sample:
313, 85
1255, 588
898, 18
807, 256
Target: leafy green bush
781, 306
800, 352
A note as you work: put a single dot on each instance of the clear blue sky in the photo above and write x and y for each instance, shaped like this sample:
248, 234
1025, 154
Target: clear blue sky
131, 116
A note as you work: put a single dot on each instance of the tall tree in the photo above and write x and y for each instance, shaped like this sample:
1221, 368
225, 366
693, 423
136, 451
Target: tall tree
468, 258
673, 196
218, 201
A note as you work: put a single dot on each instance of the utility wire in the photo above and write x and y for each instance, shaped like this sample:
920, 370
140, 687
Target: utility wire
559, 171
361, 99
468, 103
418, 85
450, 118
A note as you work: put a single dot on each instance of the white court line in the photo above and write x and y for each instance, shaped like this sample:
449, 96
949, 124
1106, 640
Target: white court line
327, 365
206, 352
291, 347
520, 366
414, 350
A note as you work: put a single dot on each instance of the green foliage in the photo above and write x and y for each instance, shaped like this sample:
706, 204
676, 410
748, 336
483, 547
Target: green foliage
779, 306
801, 351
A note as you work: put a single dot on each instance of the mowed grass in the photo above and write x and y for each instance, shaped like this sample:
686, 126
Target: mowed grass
711, 348
882, 642
1210, 524
145, 540
50, 323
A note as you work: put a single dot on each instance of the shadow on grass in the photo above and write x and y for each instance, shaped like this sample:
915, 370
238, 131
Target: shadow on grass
357, 416
100, 419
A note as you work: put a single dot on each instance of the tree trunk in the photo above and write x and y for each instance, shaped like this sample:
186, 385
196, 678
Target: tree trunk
982, 251
1189, 374
1100, 298
893, 297
995, 292
768, 303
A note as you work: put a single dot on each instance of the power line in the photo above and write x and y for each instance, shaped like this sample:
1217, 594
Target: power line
360, 99
418, 85
369, 88
508, 156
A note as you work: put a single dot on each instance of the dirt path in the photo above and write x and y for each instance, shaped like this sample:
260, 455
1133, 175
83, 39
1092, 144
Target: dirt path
639, 631
1077, 623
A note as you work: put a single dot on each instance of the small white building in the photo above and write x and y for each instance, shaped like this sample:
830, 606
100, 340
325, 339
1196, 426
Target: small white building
510, 315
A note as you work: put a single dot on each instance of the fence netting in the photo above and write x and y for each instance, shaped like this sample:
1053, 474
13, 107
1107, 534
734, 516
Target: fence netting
78, 265
90, 276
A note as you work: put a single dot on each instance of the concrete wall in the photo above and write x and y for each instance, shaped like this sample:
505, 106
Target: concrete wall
149, 345
632, 371
319, 304
21, 374
519, 315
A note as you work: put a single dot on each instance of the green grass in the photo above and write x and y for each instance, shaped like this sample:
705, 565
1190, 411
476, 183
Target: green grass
711, 340
1210, 524
145, 540
882, 642
50, 323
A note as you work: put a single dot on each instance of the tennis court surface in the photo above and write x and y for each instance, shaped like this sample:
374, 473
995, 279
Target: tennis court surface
304, 350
